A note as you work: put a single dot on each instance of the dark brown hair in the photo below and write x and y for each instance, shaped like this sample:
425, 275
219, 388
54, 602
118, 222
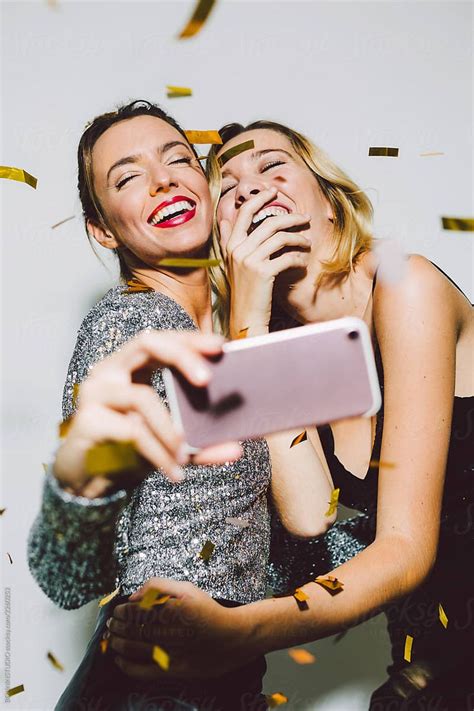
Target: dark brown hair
91, 207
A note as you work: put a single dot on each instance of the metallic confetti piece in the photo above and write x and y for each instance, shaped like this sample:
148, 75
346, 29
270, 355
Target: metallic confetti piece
240, 522
302, 437
64, 426
135, 286
109, 597
2, 511
186, 262
161, 657
10, 558
333, 503
374, 463
16, 690
45, 467
75, 394
202, 157
408, 646
458, 224
206, 137
390, 152
442, 616
111, 457
104, 643
197, 19
301, 656
53, 227
56, 664
235, 151
18, 174
59, 536
176, 91
242, 333
300, 595
330, 583
151, 598
432, 153
207, 550
277, 699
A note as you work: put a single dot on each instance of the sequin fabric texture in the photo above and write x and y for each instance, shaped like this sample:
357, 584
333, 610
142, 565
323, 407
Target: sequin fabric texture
80, 549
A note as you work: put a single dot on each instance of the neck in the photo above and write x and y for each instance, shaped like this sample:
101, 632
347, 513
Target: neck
308, 303
191, 289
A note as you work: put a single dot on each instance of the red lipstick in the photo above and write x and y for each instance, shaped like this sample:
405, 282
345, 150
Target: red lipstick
177, 219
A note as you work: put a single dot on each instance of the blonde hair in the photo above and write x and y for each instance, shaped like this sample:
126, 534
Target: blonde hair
352, 210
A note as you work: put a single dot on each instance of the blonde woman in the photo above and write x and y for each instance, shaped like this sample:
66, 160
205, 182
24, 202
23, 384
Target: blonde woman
419, 487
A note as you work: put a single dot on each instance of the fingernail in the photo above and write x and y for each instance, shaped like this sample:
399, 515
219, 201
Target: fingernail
202, 374
107, 624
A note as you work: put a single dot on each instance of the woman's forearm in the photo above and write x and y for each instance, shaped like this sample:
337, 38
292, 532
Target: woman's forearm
384, 571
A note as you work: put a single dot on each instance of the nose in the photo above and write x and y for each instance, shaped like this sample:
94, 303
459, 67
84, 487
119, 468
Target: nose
247, 188
162, 180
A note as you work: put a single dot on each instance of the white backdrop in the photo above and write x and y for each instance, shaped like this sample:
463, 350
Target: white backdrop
350, 75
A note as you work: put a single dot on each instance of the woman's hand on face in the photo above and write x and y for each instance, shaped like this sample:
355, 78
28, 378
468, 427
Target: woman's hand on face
202, 638
251, 266
115, 406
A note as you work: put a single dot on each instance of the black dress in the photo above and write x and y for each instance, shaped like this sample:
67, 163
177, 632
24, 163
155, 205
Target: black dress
440, 675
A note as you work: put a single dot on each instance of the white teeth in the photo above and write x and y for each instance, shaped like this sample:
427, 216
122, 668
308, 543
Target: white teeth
269, 212
171, 210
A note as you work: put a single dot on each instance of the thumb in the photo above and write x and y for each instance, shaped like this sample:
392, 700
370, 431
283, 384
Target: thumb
167, 586
225, 230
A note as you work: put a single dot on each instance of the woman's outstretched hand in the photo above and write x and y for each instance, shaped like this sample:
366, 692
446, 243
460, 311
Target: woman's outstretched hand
202, 638
116, 406
254, 258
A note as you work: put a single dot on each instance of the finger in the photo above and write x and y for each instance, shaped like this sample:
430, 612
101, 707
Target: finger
278, 241
225, 231
139, 671
167, 586
228, 452
290, 260
246, 215
153, 449
278, 223
131, 649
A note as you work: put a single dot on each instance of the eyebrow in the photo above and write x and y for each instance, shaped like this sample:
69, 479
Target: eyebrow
255, 155
135, 158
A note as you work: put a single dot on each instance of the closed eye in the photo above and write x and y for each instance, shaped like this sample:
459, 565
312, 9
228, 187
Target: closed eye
125, 180
272, 164
226, 190
186, 160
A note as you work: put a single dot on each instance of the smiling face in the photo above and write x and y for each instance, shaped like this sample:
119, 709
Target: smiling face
153, 194
273, 162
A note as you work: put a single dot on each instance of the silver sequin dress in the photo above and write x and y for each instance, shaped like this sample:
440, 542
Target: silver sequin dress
80, 548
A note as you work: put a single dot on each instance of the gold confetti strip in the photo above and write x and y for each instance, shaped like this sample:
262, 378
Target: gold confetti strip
300, 595
330, 583
75, 394
10, 558
104, 643
64, 427
207, 550
45, 467
242, 333
379, 151
2, 511
432, 153
240, 522
206, 137
109, 597
18, 174
301, 656
58, 224
111, 457
235, 151
374, 463
408, 646
442, 616
202, 157
161, 657
136, 286
197, 19
458, 224
56, 664
302, 437
186, 262
173, 92
16, 690
153, 597
277, 699
333, 503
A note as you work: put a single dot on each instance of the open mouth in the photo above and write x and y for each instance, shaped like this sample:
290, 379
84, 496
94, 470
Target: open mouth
269, 211
172, 213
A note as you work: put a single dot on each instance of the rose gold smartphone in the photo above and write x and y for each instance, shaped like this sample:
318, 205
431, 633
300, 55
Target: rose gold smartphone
311, 375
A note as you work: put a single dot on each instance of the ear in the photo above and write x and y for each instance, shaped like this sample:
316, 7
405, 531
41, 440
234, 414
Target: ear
102, 235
